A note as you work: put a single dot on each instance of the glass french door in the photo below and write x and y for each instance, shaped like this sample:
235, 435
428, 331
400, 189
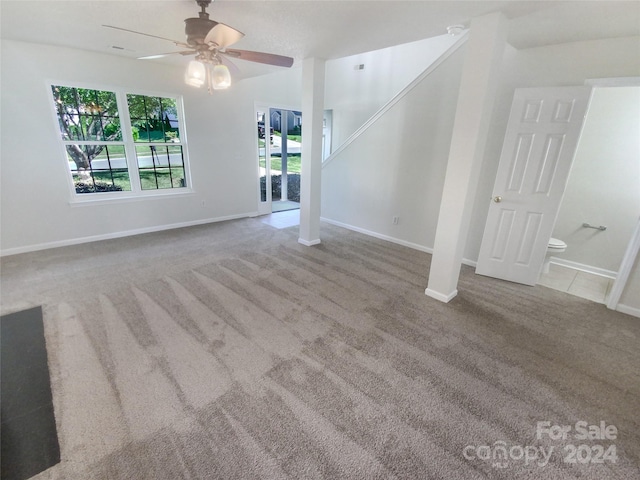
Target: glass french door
279, 158
263, 132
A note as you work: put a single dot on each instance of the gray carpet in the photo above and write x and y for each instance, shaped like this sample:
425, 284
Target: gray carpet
230, 351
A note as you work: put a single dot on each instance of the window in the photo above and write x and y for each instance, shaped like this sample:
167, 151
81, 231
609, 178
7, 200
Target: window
117, 142
154, 122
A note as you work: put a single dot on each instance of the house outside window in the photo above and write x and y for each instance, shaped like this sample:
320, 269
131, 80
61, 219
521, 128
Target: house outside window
119, 142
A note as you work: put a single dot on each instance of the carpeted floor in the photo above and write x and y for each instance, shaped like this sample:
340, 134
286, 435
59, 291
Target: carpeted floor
229, 351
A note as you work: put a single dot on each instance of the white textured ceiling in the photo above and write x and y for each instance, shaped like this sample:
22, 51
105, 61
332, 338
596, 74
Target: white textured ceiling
302, 28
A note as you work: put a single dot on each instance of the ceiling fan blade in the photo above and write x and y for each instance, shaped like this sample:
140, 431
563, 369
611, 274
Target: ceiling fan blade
160, 55
260, 57
180, 44
233, 69
223, 35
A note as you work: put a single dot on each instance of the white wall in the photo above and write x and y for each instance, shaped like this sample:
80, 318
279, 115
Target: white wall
604, 185
397, 166
355, 95
35, 194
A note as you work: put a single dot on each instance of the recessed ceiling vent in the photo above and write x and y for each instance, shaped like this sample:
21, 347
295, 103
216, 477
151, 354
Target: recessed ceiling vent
359, 66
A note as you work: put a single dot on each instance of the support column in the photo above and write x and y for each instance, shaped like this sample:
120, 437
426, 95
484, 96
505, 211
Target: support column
478, 85
311, 162
284, 180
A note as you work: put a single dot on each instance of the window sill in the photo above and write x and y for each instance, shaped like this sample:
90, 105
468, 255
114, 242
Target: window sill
109, 199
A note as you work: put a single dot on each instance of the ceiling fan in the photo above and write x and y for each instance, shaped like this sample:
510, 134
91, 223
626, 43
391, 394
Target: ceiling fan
208, 41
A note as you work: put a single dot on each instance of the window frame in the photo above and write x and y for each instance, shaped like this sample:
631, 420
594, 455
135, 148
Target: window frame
127, 141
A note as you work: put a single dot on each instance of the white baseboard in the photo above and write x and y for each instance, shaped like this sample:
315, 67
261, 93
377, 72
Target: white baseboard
635, 312
370, 233
399, 241
309, 243
108, 236
440, 296
584, 268
471, 263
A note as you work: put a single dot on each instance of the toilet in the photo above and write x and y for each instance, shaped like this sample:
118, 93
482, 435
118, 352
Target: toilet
554, 247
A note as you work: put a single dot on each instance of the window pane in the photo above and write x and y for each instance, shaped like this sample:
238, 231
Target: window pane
160, 166
153, 119
138, 115
170, 120
262, 159
161, 178
175, 155
85, 114
98, 168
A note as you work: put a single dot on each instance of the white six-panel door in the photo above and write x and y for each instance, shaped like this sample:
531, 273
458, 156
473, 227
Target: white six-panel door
539, 146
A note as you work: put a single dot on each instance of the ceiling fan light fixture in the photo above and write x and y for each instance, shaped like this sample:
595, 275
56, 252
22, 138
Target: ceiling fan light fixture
196, 74
220, 77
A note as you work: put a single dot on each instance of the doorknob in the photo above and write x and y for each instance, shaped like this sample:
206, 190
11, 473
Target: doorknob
497, 199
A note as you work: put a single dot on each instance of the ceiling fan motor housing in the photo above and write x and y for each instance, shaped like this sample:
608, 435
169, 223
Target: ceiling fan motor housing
196, 29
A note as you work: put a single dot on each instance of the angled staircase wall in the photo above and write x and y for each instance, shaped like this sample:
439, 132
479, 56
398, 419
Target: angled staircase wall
394, 164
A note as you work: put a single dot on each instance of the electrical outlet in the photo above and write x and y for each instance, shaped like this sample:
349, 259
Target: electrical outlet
395, 220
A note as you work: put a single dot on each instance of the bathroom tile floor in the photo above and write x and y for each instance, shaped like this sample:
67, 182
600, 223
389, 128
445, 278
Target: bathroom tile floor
581, 284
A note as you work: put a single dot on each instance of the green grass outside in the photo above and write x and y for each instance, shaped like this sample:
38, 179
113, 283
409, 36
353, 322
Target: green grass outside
295, 138
147, 178
293, 163
117, 151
